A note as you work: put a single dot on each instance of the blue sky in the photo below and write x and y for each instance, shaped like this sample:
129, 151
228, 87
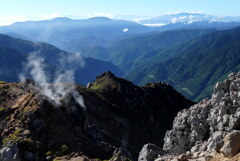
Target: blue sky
22, 10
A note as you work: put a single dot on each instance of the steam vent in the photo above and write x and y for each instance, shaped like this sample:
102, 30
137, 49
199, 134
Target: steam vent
118, 115
119, 80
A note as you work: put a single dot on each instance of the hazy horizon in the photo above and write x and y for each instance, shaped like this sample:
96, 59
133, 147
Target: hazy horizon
26, 10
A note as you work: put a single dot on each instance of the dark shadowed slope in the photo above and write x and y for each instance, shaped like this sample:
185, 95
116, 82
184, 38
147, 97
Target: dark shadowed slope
123, 51
14, 54
117, 114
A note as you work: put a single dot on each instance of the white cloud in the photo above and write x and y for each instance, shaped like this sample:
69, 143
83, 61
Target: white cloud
174, 20
4, 23
100, 14
155, 25
191, 16
183, 17
125, 30
177, 12
11, 19
45, 17
142, 19
213, 20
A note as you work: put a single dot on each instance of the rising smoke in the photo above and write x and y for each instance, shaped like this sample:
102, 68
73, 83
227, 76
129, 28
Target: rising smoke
58, 84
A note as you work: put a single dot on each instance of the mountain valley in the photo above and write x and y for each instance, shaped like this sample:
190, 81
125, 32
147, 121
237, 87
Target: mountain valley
163, 88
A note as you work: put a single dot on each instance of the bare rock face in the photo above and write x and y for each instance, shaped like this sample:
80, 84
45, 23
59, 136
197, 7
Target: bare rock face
119, 155
204, 125
149, 152
231, 144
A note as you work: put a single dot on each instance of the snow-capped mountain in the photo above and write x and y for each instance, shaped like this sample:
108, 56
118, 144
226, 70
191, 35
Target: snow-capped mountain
186, 18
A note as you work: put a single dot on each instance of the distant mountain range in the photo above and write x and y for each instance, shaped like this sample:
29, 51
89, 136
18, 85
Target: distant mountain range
14, 57
74, 35
71, 35
191, 51
186, 18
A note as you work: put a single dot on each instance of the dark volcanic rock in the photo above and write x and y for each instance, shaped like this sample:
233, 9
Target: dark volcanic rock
9, 153
139, 114
117, 114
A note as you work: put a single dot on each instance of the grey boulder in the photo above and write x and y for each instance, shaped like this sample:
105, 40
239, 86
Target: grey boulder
149, 152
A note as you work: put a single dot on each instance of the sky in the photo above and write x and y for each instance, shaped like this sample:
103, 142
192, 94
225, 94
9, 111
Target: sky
24, 10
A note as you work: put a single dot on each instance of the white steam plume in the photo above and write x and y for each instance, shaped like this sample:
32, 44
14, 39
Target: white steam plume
57, 88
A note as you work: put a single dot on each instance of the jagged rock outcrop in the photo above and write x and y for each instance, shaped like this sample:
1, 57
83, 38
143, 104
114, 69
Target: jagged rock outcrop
204, 125
149, 152
117, 114
119, 155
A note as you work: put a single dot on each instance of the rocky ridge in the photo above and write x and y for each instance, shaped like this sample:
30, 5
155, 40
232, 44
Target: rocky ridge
208, 130
204, 124
118, 120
